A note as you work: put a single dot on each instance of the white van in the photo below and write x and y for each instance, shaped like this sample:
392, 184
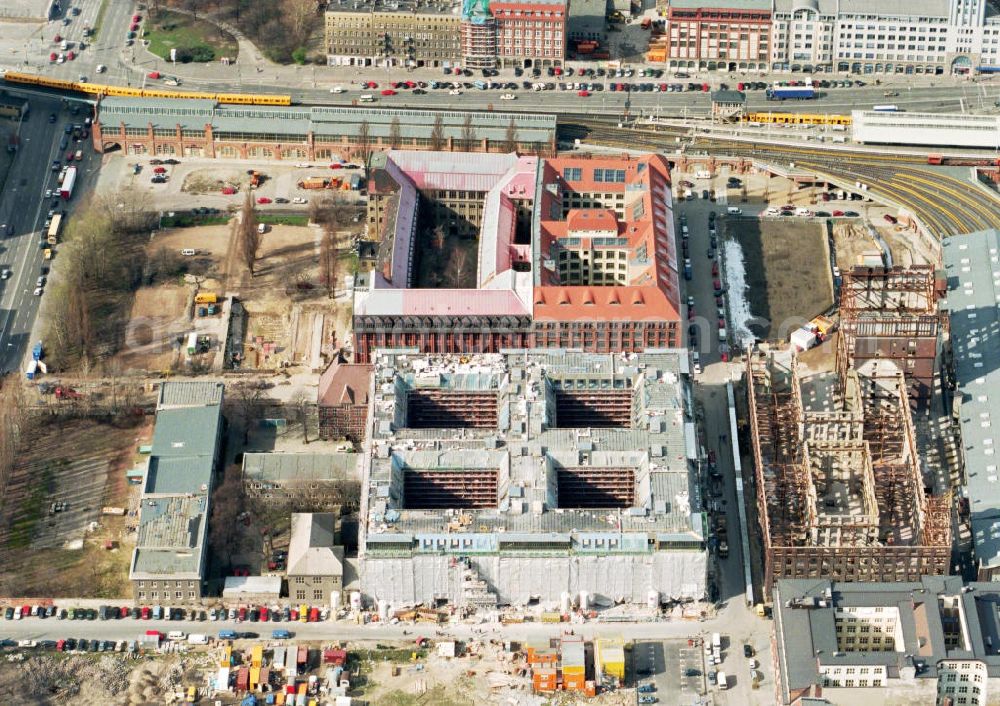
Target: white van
734, 211
262, 228
696, 363
723, 681
703, 174
366, 98
803, 211
176, 635
189, 252
197, 639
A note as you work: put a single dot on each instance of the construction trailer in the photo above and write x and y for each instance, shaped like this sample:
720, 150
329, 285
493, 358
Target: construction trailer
839, 487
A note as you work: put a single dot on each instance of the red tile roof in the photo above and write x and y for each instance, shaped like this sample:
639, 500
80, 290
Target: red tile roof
344, 383
591, 219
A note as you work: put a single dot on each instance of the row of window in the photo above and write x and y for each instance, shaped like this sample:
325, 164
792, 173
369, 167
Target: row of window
155, 595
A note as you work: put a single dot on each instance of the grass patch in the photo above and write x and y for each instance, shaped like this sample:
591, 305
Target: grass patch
274, 219
195, 40
190, 220
32, 509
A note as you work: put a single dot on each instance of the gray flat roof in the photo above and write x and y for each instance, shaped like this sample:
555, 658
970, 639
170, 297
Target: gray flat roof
171, 537
186, 432
972, 264
278, 467
297, 121
189, 394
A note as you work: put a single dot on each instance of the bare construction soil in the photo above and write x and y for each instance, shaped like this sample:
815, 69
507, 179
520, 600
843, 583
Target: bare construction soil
787, 265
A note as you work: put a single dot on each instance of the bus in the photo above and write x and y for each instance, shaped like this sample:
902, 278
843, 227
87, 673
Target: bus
886, 109
54, 226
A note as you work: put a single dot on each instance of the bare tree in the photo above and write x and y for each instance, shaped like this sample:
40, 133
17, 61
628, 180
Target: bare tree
395, 133
438, 237
364, 143
437, 134
468, 133
299, 17
248, 233
510, 137
227, 505
457, 264
302, 403
245, 402
329, 260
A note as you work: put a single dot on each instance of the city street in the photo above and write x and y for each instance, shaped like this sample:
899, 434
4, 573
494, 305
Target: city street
23, 205
311, 84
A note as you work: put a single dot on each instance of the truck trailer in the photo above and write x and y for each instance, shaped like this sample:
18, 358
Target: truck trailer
66, 188
781, 93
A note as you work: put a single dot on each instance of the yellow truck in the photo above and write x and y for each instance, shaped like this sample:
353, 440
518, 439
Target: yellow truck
206, 298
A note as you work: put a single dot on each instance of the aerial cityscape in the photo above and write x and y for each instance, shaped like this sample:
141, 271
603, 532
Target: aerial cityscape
512, 352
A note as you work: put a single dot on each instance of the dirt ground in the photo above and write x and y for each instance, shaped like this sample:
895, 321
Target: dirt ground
81, 462
787, 266
852, 243
55, 679
212, 181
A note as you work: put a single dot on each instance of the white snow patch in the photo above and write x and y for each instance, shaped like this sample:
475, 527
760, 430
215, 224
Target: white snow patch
736, 287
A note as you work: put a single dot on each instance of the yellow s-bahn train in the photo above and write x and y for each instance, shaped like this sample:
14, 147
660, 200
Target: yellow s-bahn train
97, 89
797, 119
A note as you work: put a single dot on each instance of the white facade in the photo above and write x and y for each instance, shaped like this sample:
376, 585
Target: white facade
931, 129
918, 37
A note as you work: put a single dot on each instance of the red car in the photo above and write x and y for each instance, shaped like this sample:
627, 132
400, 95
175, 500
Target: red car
583, 94
388, 92
153, 74
57, 38
663, 88
722, 322
53, 56
294, 615
70, 56
394, 84
890, 219
263, 200
336, 165
715, 269
263, 613
124, 612
557, 71
411, 84
242, 615
371, 84
159, 170
69, 156
136, 18
25, 611
60, 645
838, 214
724, 356
145, 612
314, 615
134, 28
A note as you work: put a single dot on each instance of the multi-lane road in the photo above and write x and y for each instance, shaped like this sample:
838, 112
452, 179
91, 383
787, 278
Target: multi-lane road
24, 207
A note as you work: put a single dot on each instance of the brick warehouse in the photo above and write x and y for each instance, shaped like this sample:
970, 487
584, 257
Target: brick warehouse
204, 128
572, 253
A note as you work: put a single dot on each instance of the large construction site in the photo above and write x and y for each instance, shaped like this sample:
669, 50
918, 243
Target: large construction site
531, 476
840, 490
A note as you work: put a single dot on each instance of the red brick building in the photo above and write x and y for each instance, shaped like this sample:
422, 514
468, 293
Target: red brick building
530, 34
343, 401
702, 36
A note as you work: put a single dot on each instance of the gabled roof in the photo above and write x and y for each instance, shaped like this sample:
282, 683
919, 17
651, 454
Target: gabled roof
311, 551
344, 383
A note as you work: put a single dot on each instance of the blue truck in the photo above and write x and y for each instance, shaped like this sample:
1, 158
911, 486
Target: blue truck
781, 93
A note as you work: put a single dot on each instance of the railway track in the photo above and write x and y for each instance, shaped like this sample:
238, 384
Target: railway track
945, 204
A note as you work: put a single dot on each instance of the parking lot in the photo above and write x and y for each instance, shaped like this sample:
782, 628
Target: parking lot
675, 669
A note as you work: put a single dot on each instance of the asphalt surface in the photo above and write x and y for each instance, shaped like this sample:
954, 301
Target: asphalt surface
22, 204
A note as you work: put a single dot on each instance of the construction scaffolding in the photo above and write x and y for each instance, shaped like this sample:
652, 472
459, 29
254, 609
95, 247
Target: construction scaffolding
839, 489
892, 314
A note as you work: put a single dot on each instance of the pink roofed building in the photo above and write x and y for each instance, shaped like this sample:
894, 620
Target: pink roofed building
569, 252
